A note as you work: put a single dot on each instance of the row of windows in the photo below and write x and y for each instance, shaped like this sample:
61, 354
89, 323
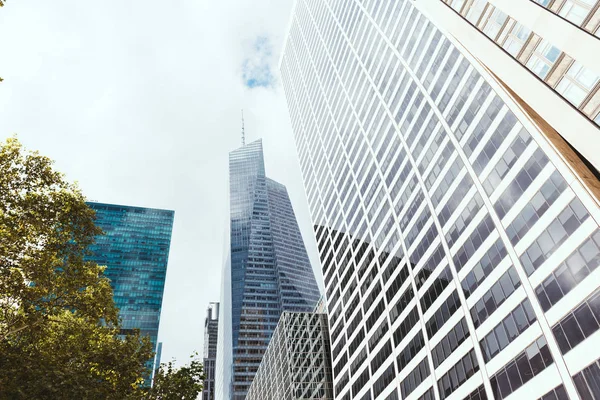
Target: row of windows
414, 378
495, 296
515, 323
484, 267
457, 335
526, 365
570, 272
401, 304
587, 382
412, 349
443, 314
435, 290
473, 242
536, 207
579, 324
558, 393
458, 374
556, 234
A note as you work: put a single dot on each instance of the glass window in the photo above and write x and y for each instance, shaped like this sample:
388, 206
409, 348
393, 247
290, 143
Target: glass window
587, 322
576, 10
495, 23
543, 58
476, 10
572, 331
517, 37
501, 335
577, 83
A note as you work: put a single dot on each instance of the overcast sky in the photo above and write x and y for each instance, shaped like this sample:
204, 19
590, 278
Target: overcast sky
139, 101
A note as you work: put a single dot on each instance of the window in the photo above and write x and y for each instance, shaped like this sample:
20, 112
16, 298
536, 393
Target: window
587, 382
473, 242
554, 236
578, 324
543, 58
450, 342
443, 314
414, 378
577, 83
411, 350
401, 304
436, 289
558, 393
570, 273
484, 267
517, 321
493, 298
529, 363
495, 24
537, 206
476, 10
384, 380
458, 374
576, 10
597, 120
477, 394
516, 38
409, 322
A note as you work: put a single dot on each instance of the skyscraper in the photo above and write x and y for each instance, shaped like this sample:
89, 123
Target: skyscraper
297, 363
458, 231
211, 328
267, 270
135, 251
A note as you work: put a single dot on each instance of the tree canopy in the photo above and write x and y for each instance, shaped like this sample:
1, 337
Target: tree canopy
59, 327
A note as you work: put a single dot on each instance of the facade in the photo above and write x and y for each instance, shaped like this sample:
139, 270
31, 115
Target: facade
211, 327
267, 270
135, 251
297, 363
458, 231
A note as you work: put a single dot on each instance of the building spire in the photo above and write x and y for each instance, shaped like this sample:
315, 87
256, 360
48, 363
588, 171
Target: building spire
243, 133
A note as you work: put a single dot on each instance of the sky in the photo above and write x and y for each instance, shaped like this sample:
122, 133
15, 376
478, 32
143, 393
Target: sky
139, 101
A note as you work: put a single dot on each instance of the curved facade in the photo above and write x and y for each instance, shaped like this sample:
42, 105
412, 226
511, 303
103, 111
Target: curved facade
459, 246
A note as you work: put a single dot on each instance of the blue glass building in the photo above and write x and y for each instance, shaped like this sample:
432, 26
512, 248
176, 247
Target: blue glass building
267, 270
135, 251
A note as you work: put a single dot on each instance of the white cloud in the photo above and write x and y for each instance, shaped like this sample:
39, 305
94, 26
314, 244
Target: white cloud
139, 101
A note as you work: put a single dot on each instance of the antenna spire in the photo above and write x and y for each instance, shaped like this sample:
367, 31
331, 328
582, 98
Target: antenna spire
243, 132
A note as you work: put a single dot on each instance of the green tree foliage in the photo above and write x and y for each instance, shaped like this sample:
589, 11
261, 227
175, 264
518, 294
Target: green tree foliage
182, 383
58, 322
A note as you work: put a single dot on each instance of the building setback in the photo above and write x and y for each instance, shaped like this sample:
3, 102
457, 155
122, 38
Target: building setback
458, 233
135, 251
267, 271
211, 328
297, 363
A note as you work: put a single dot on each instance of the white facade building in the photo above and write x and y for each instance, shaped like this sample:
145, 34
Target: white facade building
458, 231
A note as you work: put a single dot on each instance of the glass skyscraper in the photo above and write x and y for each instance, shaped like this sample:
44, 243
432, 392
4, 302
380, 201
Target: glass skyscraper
135, 251
458, 231
267, 270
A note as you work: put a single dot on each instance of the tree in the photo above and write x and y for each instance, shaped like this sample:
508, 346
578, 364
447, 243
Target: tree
58, 322
182, 383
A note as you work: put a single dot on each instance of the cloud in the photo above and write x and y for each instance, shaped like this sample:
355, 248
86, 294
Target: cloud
256, 68
140, 104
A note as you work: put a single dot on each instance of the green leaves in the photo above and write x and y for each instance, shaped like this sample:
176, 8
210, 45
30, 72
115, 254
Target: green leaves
59, 327
183, 383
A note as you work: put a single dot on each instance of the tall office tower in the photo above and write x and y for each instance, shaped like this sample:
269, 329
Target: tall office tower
297, 363
135, 251
458, 232
267, 270
211, 327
